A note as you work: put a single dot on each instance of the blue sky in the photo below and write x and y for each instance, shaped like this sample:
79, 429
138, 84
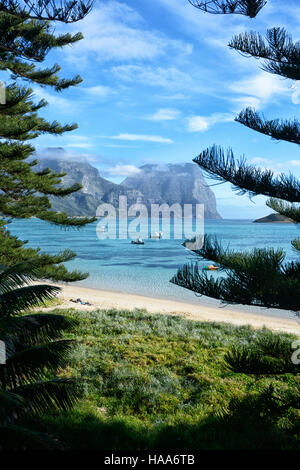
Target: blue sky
160, 85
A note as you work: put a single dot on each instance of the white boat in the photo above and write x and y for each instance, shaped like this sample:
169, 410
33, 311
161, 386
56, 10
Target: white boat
156, 235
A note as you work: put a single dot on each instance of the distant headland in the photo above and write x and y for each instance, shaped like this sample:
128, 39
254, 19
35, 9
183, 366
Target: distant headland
274, 218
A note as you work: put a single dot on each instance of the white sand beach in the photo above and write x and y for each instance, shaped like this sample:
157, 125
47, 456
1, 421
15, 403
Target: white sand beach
103, 299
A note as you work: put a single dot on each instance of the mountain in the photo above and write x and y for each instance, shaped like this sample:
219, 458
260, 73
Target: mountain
174, 183
274, 218
159, 184
95, 189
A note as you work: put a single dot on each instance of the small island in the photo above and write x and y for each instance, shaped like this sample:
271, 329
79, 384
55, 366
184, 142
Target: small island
274, 218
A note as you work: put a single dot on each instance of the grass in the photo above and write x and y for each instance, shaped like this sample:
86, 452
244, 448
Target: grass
159, 382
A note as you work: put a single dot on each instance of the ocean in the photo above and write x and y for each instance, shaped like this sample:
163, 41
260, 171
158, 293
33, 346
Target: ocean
118, 265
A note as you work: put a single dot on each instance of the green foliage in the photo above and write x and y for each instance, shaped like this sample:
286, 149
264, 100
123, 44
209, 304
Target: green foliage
246, 178
288, 210
34, 352
13, 250
280, 53
265, 355
27, 36
249, 8
159, 382
68, 11
283, 129
258, 277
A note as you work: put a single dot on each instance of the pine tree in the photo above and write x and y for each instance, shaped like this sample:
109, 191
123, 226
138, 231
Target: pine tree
259, 277
29, 385
27, 36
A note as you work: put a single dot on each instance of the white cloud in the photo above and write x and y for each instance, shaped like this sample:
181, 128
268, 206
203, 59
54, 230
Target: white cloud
122, 170
62, 154
101, 91
170, 78
214, 29
267, 164
259, 89
115, 31
120, 146
246, 102
294, 163
144, 138
78, 141
278, 167
203, 123
165, 114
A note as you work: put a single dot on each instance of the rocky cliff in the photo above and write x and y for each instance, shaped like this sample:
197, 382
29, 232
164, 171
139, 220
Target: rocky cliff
172, 183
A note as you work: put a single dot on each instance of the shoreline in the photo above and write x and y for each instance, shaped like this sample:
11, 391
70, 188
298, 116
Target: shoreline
104, 299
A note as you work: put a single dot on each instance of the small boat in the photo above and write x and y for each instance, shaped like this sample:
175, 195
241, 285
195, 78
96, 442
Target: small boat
139, 241
211, 267
156, 235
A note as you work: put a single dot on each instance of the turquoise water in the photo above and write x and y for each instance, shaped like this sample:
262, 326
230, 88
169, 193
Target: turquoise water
147, 269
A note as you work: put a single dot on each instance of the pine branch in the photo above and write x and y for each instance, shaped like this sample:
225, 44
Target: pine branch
296, 244
46, 266
247, 178
284, 129
288, 210
68, 11
31, 40
258, 277
281, 55
269, 290
243, 7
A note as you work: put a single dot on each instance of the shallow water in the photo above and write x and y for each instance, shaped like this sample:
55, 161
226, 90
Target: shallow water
147, 269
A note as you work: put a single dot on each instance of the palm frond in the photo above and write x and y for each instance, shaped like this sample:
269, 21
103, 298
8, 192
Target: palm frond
17, 437
55, 394
31, 364
17, 275
23, 298
34, 329
11, 405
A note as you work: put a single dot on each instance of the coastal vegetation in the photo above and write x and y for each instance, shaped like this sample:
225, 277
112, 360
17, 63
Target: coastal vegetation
154, 381
143, 381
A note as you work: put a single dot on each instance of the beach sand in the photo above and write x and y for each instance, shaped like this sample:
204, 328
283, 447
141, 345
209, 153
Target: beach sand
102, 299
